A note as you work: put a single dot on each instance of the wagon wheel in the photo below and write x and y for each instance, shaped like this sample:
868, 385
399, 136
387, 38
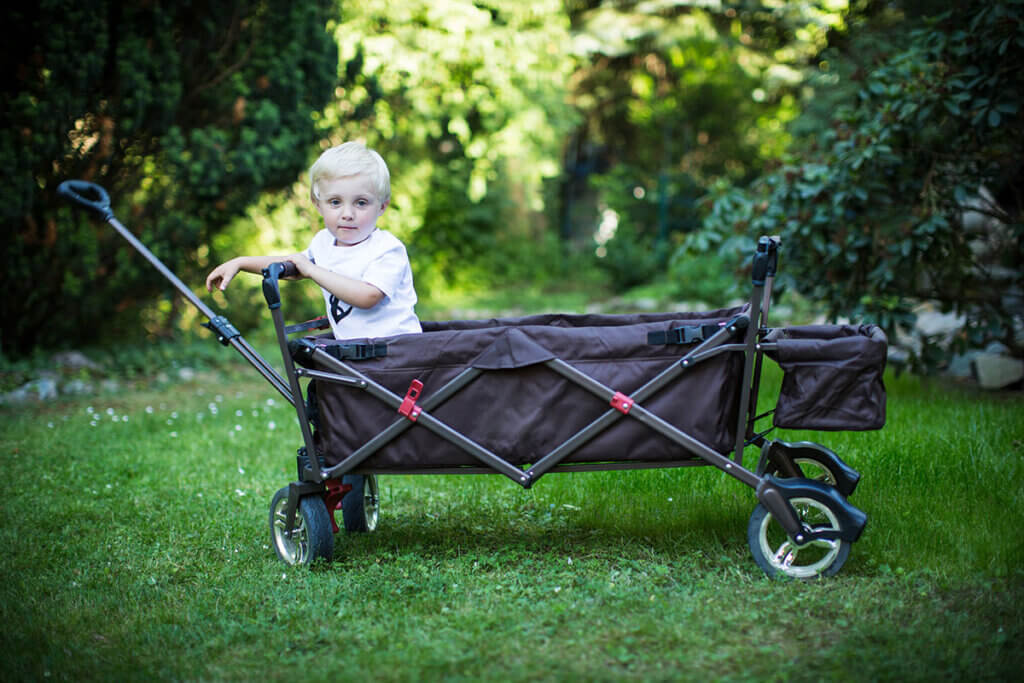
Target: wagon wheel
313, 535
777, 554
811, 468
360, 507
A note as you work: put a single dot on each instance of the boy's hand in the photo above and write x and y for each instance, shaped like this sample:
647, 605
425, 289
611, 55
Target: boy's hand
302, 263
222, 275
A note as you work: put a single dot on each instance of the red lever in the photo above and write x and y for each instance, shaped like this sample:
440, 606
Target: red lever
621, 402
409, 408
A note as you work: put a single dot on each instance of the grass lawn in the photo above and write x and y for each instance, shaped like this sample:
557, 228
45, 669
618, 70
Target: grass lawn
137, 548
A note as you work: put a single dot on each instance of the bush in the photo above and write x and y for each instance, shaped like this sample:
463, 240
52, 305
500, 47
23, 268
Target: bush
873, 220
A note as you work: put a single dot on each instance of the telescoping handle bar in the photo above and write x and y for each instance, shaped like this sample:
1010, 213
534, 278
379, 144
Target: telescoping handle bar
94, 198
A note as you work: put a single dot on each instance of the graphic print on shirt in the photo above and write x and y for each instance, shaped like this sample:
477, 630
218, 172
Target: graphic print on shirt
338, 311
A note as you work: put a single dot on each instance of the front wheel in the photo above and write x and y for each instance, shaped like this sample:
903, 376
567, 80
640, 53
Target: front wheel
813, 468
777, 554
312, 536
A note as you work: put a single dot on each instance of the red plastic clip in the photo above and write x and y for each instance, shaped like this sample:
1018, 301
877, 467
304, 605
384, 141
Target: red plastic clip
332, 497
621, 402
409, 408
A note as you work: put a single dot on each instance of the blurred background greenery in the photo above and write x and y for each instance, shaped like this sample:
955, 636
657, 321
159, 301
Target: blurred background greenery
560, 150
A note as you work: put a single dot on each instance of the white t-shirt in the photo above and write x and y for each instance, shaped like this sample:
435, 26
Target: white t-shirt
380, 260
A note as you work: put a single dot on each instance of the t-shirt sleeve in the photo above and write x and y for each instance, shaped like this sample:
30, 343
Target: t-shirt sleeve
387, 271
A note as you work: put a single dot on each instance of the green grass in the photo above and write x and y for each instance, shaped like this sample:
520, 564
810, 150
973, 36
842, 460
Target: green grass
136, 548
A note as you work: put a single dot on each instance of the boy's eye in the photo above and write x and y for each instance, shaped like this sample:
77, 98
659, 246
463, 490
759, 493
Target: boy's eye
362, 203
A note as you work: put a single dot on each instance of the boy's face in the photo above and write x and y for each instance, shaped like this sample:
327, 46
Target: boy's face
350, 208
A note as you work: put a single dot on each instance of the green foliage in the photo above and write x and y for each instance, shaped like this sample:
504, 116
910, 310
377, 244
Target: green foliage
466, 102
882, 211
692, 88
184, 112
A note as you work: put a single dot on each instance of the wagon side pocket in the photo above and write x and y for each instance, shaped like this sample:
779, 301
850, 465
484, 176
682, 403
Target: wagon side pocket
832, 377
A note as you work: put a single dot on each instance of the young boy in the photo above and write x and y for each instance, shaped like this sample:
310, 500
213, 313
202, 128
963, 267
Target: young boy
363, 271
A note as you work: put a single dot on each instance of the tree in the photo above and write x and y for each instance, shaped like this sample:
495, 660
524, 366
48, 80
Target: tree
184, 111
880, 213
466, 101
675, 95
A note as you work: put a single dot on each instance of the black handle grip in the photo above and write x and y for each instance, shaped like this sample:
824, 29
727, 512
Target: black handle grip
273, 273
766, 260
76, 191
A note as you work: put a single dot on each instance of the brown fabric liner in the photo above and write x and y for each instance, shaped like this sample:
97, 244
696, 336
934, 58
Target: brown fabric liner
519, 408
832, 377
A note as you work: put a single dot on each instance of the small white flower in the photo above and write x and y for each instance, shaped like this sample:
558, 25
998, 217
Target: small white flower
149, 410
238, 428
50, 425
240, 492
271, 426
239, 413
241, 471
270, 402
174, 435
110, 411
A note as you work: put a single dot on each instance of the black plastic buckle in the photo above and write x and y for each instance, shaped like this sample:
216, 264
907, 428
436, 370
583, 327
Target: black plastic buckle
357, 351
224, 330
688, 334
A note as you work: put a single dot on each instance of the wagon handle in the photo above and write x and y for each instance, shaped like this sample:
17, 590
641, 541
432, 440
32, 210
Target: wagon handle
81, 191
271, 275
766, 260
75, 191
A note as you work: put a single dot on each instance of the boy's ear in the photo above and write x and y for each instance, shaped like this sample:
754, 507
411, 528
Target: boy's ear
385, 205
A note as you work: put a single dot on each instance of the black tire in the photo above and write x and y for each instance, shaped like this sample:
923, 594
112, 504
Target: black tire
811, 467
313, 536
777, 555
360, 507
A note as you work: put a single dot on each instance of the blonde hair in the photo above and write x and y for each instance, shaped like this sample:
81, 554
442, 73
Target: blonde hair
350, 159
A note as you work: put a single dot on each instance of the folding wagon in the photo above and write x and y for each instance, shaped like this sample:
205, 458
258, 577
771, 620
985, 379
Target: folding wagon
524, 397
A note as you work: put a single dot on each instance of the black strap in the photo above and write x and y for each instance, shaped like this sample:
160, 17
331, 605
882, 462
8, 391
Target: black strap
687, 334
356, 351
320, 323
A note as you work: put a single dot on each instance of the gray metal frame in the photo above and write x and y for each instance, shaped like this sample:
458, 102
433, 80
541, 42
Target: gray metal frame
769, 491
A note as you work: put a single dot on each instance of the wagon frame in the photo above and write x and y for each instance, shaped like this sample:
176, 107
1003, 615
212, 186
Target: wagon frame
801, 488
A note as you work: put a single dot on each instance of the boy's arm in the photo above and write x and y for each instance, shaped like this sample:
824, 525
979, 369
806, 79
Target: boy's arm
222, 275
355, 292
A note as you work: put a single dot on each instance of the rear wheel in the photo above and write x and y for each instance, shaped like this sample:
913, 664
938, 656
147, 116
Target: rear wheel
360, 507
312, 536
777, 554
